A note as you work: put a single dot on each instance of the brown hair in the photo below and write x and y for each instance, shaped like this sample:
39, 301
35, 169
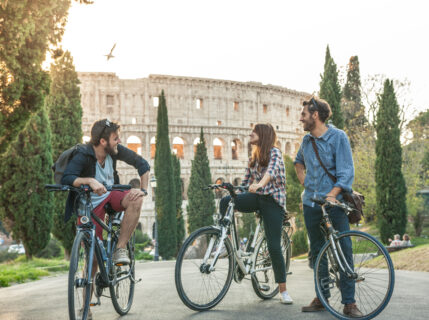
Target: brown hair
319, 105
261, 151
102, 129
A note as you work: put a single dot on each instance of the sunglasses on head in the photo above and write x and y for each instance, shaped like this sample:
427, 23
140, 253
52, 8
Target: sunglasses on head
314, 103
108, 123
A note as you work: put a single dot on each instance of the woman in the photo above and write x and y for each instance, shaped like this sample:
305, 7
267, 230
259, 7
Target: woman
265, 177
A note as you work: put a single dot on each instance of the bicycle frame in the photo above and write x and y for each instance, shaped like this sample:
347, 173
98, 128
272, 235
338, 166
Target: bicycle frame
336, 253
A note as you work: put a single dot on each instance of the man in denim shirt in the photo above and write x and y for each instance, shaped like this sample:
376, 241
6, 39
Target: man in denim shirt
335, 152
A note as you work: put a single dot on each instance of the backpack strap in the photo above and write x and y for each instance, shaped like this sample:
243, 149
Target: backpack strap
313, 142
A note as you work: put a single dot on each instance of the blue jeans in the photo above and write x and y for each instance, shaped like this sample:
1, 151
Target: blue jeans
340, 222
272, 215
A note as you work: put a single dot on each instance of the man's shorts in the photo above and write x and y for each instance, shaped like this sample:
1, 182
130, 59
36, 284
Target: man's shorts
115, 199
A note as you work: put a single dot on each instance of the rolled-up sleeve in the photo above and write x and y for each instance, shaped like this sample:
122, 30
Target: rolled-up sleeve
133, 159
345, 172
299, 156
273, 168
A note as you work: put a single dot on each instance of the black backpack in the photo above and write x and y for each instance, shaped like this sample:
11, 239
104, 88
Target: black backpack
61, 164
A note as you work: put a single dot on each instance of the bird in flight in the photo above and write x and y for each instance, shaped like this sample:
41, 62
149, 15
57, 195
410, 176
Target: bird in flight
110, 55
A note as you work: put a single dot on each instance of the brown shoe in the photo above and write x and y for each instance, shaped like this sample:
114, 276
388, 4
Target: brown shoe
352, 310
314, 306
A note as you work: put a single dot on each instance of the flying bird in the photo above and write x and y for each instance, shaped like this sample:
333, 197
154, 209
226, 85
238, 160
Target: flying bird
110, 55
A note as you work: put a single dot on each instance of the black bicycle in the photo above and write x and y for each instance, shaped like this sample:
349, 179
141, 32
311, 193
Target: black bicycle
120, 279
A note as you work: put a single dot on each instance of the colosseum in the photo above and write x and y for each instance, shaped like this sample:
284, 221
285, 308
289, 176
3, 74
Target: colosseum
226, 110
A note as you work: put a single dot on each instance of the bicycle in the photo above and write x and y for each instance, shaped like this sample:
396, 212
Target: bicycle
118, 278
371, 271
211, 257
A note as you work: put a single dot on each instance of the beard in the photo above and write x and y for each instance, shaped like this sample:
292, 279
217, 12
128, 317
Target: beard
110, 150
309, 124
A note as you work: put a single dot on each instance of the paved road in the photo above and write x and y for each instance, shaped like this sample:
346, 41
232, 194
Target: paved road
156, 298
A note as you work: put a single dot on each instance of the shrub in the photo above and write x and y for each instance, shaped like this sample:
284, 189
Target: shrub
141, 237
299, 242
52, 250
7, 256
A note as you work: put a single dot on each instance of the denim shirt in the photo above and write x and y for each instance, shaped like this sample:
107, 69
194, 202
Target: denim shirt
336, 154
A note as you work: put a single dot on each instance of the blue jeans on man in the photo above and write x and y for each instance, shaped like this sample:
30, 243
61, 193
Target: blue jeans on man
340, 222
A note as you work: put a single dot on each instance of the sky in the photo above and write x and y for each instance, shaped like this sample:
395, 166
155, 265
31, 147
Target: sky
273, 42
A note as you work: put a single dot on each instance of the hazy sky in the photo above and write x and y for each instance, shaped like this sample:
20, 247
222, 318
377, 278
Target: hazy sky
273, 42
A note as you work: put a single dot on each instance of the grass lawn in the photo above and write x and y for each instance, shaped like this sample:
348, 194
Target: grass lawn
20, 270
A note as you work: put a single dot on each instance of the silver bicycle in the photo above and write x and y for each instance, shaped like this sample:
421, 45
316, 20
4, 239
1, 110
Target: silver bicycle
211, 257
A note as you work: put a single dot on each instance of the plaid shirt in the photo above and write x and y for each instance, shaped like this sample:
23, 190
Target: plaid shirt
276, 169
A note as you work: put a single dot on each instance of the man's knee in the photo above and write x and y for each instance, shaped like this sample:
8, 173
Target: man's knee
135, 204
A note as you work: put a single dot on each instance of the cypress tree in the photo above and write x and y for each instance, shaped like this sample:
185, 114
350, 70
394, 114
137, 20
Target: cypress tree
330, 89
354, 111
293, 187
65, 113
26, 168
201, 206
180, 230
391, 190
28, 29
165, 189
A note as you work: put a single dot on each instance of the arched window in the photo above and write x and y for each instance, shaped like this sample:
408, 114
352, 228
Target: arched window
178, 145
287, 148
134, 144
235, 146
237, 182
152, 147
217, 148
85, 139
196, 141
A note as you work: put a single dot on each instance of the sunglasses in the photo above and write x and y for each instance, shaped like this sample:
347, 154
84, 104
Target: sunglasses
108, 123
314, 103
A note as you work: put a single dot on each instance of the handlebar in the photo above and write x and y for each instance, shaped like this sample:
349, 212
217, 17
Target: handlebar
85, 187
322, 202
227, 186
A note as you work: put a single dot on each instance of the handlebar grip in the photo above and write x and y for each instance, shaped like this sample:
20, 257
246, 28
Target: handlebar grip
318, 200
56, 187
118, 187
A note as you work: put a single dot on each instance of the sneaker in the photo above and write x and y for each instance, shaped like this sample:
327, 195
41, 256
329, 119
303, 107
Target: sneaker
120, 256
285, 298
314, 306
88, 317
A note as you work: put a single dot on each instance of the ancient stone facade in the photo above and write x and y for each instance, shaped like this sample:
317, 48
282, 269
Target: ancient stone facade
226, 110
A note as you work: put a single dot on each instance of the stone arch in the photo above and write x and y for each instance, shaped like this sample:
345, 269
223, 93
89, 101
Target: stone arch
196, 141
287, 148
134, 143
236, 149
178, 147
236, 181
218, 146
152, 147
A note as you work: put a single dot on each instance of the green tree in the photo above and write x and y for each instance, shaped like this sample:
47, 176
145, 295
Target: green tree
391, 189
293, 187
180, 233
26, 168
165, 189
201, 206
330, 89
248, 225
28, 29
354, 110
65, 115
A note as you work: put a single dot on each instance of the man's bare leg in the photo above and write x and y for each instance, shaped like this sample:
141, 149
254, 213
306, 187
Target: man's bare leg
130, 220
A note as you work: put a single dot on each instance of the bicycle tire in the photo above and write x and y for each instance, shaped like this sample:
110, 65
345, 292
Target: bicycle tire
286, 250
79, 291
122, 293
189, 270
375, 276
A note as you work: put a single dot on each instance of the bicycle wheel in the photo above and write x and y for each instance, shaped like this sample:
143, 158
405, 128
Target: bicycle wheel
373, 279
199, 288
122, 289
263, 280
286, 250
79, 290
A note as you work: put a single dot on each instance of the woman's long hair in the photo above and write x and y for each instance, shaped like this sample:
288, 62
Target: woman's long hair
261, 150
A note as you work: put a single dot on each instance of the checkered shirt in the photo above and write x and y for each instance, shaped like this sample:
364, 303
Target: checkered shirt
276, 169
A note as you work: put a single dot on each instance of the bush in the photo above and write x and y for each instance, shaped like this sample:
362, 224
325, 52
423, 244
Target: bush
52, 250
299, 242
141, 237
7, 256
141, 255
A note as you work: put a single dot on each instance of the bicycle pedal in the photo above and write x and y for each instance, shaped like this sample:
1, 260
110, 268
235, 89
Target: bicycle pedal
264, 287
94, 304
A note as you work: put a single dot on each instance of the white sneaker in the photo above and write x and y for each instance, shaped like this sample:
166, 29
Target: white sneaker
285, 298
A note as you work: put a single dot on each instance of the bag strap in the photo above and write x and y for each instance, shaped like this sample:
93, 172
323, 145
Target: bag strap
320, 161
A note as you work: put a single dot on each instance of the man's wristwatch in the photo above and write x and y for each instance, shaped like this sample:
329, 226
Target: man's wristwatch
144, 191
